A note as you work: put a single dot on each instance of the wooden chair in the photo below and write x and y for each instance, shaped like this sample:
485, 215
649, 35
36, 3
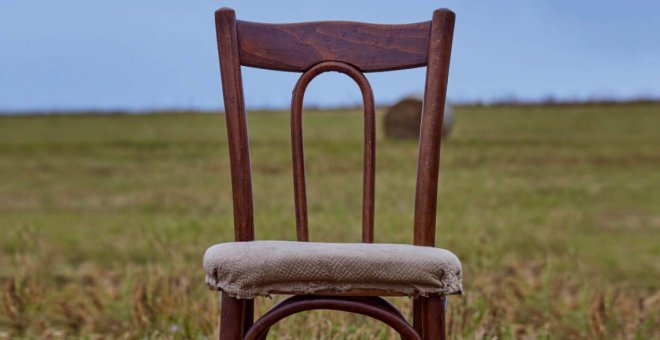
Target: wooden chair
345, 277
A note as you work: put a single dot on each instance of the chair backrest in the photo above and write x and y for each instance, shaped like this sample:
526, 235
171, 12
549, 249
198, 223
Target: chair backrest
350, 48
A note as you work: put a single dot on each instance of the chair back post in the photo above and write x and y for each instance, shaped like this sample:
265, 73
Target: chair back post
428, 162
239, 155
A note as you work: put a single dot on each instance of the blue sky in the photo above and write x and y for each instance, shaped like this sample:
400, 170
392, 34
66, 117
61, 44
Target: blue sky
141, 55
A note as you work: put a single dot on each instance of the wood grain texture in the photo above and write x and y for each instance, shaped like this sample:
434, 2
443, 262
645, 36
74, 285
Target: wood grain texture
368, 47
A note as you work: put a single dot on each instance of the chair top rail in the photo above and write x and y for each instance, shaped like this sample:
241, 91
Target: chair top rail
297, 47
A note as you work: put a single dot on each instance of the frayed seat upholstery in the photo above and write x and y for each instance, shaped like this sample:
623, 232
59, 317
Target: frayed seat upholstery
261, 268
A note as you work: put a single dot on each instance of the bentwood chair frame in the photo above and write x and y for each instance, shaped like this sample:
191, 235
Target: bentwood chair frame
350, 48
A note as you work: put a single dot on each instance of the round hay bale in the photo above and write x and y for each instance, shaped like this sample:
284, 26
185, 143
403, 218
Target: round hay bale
403, 119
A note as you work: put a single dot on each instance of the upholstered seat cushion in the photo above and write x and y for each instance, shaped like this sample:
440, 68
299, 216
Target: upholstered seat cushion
249, 269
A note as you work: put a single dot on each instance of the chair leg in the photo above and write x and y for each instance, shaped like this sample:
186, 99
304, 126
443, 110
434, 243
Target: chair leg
248, 315
231, 318
433, 318
417, 314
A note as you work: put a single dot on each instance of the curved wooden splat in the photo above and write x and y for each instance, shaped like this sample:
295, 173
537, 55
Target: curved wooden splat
369, 172
374, 307
368, 47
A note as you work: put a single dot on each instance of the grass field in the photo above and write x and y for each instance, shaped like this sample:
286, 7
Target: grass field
554, 212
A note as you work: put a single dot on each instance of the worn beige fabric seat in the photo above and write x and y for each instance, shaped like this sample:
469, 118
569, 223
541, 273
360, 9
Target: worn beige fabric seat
260, 268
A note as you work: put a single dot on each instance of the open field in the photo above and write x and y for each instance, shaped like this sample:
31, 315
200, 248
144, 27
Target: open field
554, 212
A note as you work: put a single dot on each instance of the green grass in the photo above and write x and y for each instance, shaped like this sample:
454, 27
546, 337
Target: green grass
554, 212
